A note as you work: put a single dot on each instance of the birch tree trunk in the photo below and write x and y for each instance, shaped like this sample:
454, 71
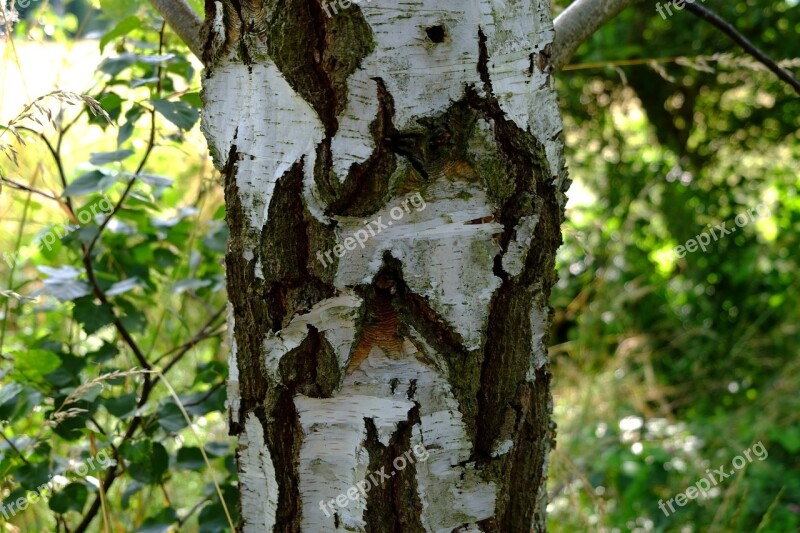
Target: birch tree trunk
394, 185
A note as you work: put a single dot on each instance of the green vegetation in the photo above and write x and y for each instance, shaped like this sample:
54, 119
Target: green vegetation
667, 366
152, 270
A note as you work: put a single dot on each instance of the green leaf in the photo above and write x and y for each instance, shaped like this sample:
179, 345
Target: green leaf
181, 114
160, 523
69, 373
138, 82
193, 99
112, 104
170, 417
189, 285
94, 181
35, 364
121, 287
66, 290
73, 427
64, 272
121, 406
134, 319
788, 437
32, 474
123, 28
165, 258
62, 284
71, 498
115, 65
106, 352
190, 458
17, 400
217, 448
90, 316
148, 460
159, 182
212, 517
103, 158
126, 130
216, 240
133, 488
155, 59
202, 403
182, 67
210, 372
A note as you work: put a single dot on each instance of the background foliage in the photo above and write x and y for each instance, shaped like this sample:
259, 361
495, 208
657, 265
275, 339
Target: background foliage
664, 366
142, 289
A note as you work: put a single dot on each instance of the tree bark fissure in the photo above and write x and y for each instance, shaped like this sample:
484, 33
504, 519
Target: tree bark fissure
395, 188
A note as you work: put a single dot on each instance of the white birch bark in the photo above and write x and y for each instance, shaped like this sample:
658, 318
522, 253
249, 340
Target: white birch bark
417, 144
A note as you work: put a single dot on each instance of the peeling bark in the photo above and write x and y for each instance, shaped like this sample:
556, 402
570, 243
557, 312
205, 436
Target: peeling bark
395, 188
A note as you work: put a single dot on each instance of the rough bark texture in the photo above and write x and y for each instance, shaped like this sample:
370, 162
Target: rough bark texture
418, 145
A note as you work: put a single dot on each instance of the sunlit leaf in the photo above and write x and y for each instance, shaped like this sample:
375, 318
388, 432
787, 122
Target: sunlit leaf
93, 181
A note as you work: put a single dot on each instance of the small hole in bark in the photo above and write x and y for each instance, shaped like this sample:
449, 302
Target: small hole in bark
435, 34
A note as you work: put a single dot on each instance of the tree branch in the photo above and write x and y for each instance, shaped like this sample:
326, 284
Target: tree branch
728, 29
184, 21
579, 22
584, 17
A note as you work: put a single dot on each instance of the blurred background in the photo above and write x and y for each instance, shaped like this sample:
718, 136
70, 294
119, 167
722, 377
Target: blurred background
664, 366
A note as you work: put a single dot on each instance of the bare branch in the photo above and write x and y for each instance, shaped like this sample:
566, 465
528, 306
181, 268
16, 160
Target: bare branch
579, 22
184, 21
584, 17
728, 29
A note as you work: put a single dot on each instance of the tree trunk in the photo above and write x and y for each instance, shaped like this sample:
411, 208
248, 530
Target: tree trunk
394, 185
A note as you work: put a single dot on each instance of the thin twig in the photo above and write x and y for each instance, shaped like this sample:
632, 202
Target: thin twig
22, 187
150, 145
201, 335
191, 511
727, 28
16, 450
184, 21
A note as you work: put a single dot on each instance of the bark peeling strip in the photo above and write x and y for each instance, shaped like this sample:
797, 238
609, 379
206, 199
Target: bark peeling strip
446, 260
257, 481
334, 317
265, 109
517, 252
540, 324
233, 369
